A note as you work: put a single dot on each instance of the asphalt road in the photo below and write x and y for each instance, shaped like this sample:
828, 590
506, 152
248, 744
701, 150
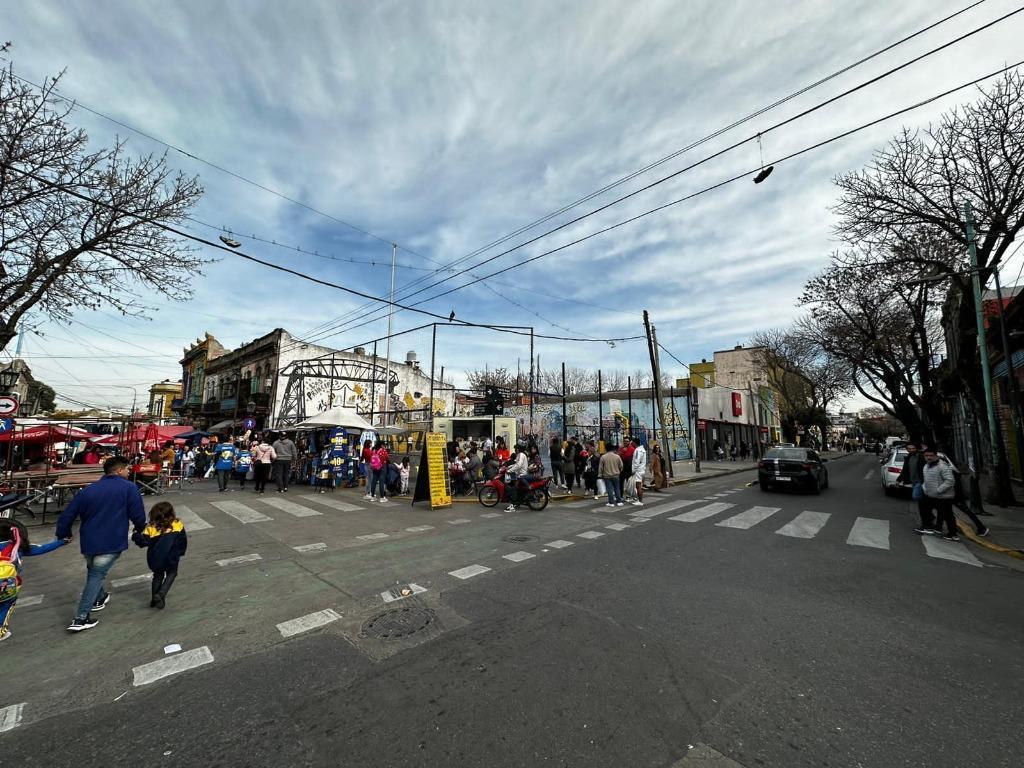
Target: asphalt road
621, 650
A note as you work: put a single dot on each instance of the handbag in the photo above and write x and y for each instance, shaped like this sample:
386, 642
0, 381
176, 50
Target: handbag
600, 487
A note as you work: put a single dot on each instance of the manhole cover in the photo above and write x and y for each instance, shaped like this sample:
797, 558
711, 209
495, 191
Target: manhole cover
398, 622
519, 538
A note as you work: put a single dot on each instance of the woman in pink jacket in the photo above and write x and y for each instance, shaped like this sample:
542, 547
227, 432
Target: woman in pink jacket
263, 456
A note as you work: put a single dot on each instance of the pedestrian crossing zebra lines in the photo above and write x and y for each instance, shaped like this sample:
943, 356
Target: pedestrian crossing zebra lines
867, 532
247, 513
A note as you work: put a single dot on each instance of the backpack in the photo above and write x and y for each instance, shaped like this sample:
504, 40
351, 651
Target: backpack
9, 581
375, 461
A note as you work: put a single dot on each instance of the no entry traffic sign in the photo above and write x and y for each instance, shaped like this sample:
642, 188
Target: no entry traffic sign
8, 405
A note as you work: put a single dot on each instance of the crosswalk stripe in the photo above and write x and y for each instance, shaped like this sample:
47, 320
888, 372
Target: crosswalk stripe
291, 508
663, 508
869, 532
192, 521
144, 674
240, 511
869, 475
696, 515
10, 716
307, 622
329, 501
319, 546
949, 550
805, 525
239, 559
749, 518
27, 600
469, 571
127, 581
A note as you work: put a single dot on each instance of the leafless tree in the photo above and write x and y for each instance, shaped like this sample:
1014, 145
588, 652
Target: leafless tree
62, 253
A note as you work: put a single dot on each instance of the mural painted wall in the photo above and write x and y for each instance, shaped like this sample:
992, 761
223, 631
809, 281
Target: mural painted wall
582, 420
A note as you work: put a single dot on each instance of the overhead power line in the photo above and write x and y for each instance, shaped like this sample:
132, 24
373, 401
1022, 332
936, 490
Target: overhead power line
709, 137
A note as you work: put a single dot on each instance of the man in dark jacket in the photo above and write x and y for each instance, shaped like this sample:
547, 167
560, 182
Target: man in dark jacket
286, 451
912, 474
105, 508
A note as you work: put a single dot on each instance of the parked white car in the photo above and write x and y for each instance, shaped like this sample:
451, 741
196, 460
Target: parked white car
891, 467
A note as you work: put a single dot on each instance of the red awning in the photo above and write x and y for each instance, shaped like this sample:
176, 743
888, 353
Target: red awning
45, 433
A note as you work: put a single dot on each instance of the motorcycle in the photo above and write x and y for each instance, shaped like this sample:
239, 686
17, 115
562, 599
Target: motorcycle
491, 492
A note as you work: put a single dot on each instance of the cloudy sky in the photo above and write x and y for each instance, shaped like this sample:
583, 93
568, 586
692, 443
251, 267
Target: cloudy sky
446, 126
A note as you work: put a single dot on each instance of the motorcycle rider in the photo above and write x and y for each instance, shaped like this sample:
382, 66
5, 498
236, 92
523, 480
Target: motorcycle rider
517, 473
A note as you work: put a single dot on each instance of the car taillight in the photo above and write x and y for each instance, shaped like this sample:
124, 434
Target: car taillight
895, 470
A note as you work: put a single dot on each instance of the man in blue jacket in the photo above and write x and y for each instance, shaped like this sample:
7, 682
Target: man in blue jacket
105, 508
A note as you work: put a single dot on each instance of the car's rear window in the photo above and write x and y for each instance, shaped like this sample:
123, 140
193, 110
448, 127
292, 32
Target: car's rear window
900, 456
798, 454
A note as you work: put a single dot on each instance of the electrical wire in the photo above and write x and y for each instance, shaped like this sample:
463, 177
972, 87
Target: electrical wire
727, 149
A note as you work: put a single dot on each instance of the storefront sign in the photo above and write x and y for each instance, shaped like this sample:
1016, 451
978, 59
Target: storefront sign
432, 475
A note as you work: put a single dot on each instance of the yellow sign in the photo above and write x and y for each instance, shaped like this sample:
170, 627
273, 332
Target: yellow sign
437, 468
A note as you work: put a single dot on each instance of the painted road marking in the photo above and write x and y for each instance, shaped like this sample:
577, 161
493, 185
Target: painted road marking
868, 532
307, 622
239, 559
869, 475
192, 521
491, 514
389, 596
145, 674
291, 508
663, 508
420, 528
10, 717
240, 511
590, 535
560, 544
25, 602
127, 581
805, 525
518, 557
469, 572
327, 501
460, 521
317, 547
373, 536
750, 518
617, 527
695, 515
948, 550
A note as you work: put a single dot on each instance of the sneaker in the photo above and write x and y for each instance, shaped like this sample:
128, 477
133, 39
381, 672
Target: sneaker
159, 601
618, 504
4, 635
609, 504
925, 531
984, 532
367, 496
636, 503
951, 538
510, 508
99, 605
79, 624
383, 499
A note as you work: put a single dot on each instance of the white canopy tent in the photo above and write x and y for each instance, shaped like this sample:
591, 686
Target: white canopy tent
336, 417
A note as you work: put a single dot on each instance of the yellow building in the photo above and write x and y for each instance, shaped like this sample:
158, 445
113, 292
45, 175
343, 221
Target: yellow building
161, 397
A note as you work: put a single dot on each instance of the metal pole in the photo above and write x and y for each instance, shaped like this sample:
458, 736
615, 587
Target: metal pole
691, 414
387, 347
600, 411
652, 343
675, 418
330, 395
1011, 373
565, 427
629, 394
531, 380
238, 385
986, 369
433, 353
373, 384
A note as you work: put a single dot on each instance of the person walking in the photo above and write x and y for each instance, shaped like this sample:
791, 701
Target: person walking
165, 541
555, 457
569, 464
14, 545
285, 452
263, 460
939, 483
657, 471
105, 508
224, 464
912, 474
378, 466
243, 466
609, 468
639, 470
626, 454
959, 498
364, 463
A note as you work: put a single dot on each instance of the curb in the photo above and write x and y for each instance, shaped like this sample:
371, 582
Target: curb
968, 532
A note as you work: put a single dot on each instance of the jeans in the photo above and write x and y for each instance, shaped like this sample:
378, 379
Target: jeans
944, 508
6, 608
557, 478
222, 478
377, 478
162, 581
260, 472
96, 569
614, 487
282, 473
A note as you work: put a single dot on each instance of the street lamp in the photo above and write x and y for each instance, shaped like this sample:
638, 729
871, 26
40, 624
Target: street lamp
8, 378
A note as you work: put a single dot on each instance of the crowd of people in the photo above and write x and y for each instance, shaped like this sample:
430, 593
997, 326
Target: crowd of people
934, 480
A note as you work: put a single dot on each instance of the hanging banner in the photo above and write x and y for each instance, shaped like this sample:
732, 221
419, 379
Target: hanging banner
432, 480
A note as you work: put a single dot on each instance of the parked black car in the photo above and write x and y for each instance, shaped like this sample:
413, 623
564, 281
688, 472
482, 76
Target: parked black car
793, 467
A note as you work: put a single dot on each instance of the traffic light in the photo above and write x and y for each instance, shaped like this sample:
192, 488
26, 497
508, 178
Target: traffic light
495, 405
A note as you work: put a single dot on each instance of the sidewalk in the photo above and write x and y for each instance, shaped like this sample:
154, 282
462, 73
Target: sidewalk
1006, 524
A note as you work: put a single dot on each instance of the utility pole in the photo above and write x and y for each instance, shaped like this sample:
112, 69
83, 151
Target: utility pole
433, 353
531, 379
565, 427
986, 368
652, 348
692, 419
387, 347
